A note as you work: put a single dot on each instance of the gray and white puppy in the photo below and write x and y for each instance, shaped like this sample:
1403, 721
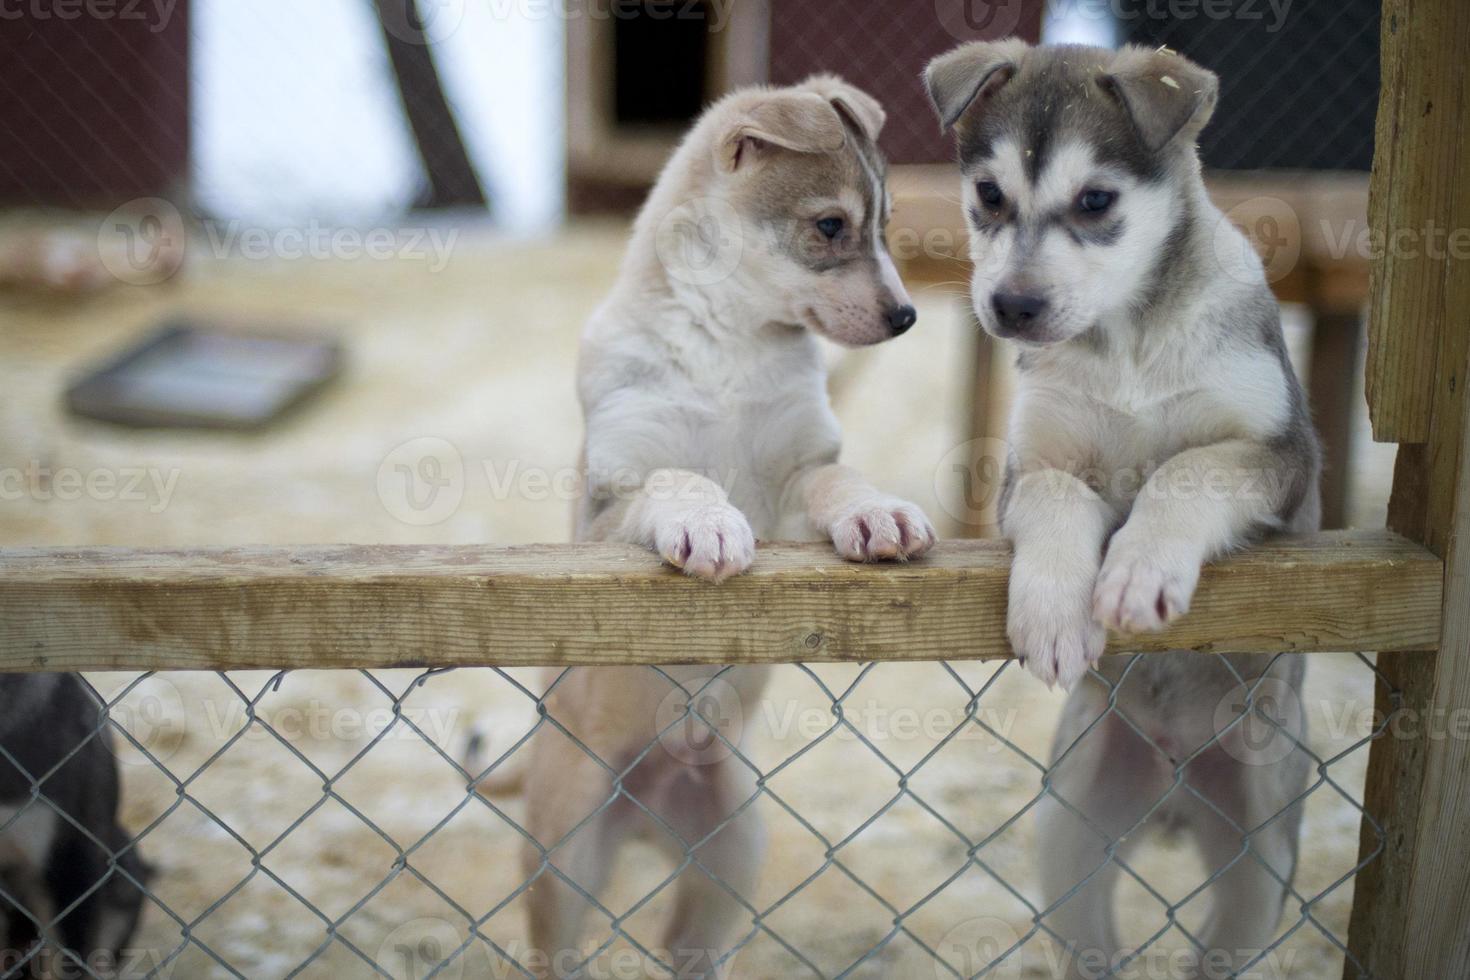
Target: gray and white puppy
1157, 425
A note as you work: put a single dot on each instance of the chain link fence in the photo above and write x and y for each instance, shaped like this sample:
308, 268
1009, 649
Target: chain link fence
317, 823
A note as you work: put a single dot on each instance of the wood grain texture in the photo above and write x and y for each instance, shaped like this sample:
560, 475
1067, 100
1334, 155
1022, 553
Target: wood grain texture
1411, 905
1439, 897
1416, 197
360, 606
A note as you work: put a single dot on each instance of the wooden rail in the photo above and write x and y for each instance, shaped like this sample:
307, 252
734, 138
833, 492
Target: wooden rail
1412, 901
397, 606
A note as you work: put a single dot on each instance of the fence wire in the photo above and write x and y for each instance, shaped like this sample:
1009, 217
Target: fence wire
253, 850
215, 933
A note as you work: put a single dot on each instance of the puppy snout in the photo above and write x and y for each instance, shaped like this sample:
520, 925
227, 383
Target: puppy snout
1017, 313
900, 318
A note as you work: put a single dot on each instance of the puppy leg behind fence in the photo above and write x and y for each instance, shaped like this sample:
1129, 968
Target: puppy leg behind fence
569, 812
1246, 897
24, 883
1106, 774
725, 844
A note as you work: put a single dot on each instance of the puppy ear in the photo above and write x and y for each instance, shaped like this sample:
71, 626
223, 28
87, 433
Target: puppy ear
1165, 95
865, 111
969, 75
861, 109
803, 122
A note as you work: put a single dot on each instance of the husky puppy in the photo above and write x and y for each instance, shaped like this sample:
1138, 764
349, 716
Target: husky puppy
1157, 425
55, 849
708, 426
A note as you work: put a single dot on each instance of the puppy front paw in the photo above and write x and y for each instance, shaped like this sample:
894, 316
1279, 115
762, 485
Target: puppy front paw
712, 541
1049, 625
1143, 589
882, 530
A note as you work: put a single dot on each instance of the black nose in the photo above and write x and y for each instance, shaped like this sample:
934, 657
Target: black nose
900, 318
1017, 313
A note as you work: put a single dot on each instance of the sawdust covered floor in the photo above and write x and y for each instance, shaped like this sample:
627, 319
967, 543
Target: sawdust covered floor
479, 354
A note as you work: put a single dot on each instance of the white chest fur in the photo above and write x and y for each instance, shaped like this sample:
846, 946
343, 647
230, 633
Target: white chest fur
748, 415
1116, 418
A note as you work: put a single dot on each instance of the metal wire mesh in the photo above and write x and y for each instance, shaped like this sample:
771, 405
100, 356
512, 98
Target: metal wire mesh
247, 881
273, 853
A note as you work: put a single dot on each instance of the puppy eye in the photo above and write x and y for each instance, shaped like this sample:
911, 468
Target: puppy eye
830, 227
1094, 201
990, 194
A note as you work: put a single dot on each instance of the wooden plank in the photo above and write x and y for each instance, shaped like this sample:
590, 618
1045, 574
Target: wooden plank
1332, 384
1419, 357
1418, 781
1376, 930
987, 462
1417, 173
1438, 904
395, 606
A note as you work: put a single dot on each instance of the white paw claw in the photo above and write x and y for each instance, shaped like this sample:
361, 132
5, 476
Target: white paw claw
1138, 592
711, 542
1060, 651
883, 531
1050, 628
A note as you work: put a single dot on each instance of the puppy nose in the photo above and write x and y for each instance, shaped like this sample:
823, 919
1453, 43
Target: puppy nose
1016, 312
900, 318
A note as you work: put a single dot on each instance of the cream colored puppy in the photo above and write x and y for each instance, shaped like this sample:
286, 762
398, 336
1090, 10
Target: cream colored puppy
708, 427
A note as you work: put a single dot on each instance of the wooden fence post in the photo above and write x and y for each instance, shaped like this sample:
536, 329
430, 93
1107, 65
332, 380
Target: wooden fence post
1411, 908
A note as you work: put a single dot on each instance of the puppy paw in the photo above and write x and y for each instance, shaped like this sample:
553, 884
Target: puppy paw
1141, 589
882, 530
1049, 625
712, 541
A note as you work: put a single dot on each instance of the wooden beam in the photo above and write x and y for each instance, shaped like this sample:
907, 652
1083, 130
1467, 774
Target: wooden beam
1417, 181
1418, 782
1411, 904
402, 606
1333, 392
1438, 905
